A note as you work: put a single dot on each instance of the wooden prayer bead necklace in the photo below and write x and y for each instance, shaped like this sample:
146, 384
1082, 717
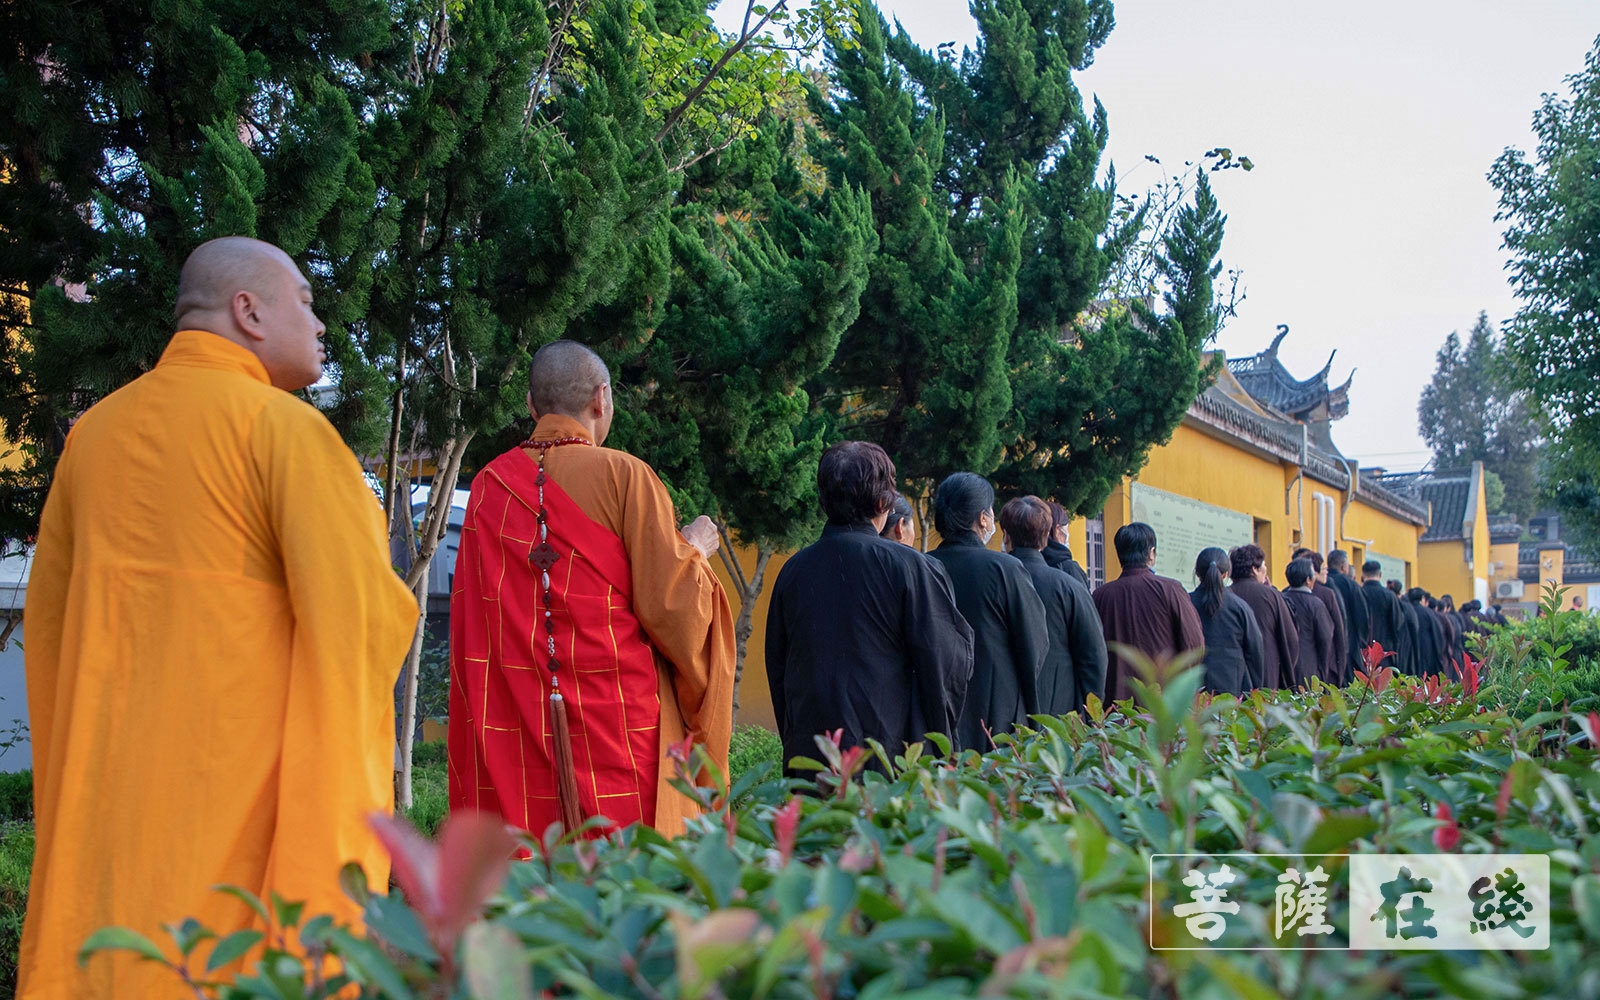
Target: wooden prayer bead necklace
544, 558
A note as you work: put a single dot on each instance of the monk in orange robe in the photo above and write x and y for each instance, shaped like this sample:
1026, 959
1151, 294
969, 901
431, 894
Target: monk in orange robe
213, 633
638, 638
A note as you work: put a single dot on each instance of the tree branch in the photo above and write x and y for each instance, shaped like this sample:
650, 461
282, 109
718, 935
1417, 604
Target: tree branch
746, 35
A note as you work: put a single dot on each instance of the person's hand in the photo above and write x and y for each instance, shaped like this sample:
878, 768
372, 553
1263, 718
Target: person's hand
702, 534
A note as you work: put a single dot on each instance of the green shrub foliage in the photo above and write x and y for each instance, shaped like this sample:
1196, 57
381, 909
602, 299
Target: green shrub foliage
1022, 872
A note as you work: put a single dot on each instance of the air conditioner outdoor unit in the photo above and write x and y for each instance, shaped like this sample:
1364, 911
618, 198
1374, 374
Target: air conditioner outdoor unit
1509, 588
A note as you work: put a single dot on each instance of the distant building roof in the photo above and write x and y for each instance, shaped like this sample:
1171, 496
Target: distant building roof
1264, 377
1503, 528
1448, 491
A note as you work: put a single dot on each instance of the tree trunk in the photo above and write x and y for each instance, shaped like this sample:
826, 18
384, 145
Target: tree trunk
408, 701
745, 625
435, 525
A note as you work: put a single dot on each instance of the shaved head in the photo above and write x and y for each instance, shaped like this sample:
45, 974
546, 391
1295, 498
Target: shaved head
563, 378
221, 267
253, 294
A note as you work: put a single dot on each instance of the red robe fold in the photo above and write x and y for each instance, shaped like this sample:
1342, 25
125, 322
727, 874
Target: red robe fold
502, 750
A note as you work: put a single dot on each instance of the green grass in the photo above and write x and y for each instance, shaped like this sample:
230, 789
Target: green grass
750, 746
430, 787
16, 863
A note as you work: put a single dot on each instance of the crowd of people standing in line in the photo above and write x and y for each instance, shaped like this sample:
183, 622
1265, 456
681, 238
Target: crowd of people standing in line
868, 636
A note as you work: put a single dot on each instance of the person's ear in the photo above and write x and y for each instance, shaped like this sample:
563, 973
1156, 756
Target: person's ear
597, 402
533, 411
246, 309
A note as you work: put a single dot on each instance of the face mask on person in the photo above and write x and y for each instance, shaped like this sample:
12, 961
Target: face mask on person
986, 526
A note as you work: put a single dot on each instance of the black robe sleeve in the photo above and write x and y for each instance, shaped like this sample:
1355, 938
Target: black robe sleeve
1325, 667
1030, 637
1254, 647
1088, 645
939, 643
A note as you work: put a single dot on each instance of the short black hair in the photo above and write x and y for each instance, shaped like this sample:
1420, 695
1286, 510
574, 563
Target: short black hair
1298, 572
855, 482
1133, 542
959, 501
1245, 559
1393, 585
1060, 517
1027, 520
901, 511
1372, 568
1314, 556
1337, 558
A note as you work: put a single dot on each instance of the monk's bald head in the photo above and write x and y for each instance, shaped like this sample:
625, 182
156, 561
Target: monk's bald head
253, 294
563, 378
222, 267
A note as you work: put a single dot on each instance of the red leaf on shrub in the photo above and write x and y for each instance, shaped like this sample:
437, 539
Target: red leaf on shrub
1374, 655
785, 825
1447, 834
1594, 729
448, 882
1469, 676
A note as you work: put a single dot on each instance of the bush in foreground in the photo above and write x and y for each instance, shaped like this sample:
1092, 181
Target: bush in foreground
1022, 872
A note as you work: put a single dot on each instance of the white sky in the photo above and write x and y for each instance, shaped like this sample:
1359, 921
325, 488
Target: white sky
1368, 223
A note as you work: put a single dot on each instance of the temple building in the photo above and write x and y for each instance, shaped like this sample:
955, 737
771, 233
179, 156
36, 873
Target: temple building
1454, 555
1526, 566
1254, 461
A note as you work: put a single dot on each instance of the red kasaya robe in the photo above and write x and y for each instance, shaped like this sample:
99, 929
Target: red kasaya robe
643, 641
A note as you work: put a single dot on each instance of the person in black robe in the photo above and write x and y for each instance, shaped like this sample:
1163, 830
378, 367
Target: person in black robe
996, 597
1430, 634
1383, 611
900, 525
1076, 663
1458, 637
863, 633
1233, 639
1336, 612
1410, 635
1358, 623
1057, 554
1149, 613
1312, 623
1281, 642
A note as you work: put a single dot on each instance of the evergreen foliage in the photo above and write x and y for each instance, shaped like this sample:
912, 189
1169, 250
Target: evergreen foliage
983, 342
1470, 413
128, 136
1548, 203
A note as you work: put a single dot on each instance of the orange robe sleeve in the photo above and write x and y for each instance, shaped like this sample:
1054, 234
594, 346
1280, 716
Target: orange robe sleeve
680, 602
45, 614
353, 622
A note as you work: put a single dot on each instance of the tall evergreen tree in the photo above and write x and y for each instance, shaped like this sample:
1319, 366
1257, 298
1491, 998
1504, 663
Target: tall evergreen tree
129, 135
980, 345
1548, 205
1469, 413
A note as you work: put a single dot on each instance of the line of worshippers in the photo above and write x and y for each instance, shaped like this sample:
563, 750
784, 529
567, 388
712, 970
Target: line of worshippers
868, 637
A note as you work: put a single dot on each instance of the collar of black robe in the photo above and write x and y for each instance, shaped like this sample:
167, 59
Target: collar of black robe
1058, 547
968, 537
1028, 555
865, 527
1137, 571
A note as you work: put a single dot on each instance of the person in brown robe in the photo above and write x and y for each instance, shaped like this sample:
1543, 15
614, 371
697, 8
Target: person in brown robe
500, 688
1334, 602
1312, 622
1280, 640
1150, 613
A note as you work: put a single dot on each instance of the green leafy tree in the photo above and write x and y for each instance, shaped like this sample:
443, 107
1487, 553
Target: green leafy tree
765, 277
1470, 413
1548, 205
986, 340
128, 136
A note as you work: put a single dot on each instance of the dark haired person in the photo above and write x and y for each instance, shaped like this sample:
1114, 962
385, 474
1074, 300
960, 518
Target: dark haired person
1410, 634
1458, 633
1358, 623
863, 633
1336, 612
1280, 639
1009, 637
1056, 553
1150, 613
1233, 639
1076, 663
899, 524
1383, 610
1312, 622
1432, 636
